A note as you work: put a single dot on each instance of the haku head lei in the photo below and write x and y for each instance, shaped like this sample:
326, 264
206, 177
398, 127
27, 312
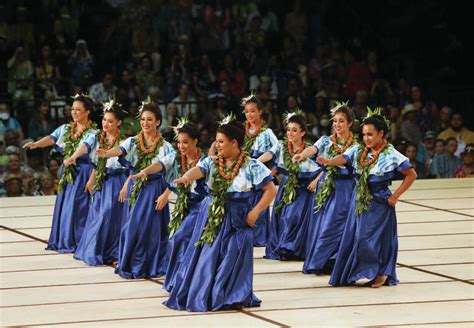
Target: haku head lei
229, 118
376, 111
182, 121
339, 104
143, 104
245, 100
289, 115
78, 95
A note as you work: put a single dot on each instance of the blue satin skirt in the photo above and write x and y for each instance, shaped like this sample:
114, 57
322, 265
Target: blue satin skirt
99, 243
144, 235
288, 228
179, 242
70, 211
369, 244
261, 230
218, 276
326, 226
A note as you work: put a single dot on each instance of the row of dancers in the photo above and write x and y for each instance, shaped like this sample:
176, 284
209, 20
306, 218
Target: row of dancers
333, 208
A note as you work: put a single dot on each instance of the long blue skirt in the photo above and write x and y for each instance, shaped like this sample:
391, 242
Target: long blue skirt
326, 226
261, 230
144, 235
369, 245
288, 228
70, 211
218, 276
179, 242
99, 243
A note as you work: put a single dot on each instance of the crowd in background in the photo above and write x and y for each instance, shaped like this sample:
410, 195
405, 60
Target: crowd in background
199, 58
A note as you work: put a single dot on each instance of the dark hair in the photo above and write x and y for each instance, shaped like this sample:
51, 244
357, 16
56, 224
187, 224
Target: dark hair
233, 130
439, 140
449, 139
253, 100
117, 111
348, 113
191, 130
410, 144
378, 122
300, 120
41, 102
154, 108
86, 101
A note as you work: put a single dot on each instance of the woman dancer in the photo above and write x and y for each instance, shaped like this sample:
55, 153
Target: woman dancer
294, 202
72, 203
144, 234
217, 273
99, 242
369, 244
335, 188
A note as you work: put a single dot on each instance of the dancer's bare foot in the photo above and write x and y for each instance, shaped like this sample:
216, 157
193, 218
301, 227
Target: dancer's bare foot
379, 281
114, 264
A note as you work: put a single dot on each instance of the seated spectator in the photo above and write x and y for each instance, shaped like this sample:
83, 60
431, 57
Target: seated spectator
445, 118
81, 64
47, 73
14, 165
457, 130
130, 125
419, 167
466, 169
409, 130
103, 91
445, 164
128, 89
46, 185
53, 168
12, 185
30, 186
7, 122
41, 123
185, 104
20, 77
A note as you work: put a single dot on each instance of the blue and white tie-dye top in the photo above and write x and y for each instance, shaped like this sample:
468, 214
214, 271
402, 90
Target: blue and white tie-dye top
388, 164
113, 163
252, 176
308, 168
198, 187
266, 141
165, 156
323, 145
58, 137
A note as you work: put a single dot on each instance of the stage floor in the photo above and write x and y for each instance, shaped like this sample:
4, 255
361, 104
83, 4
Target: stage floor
435, 268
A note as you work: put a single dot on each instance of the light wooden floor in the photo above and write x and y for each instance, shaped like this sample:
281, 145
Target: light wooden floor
436, 235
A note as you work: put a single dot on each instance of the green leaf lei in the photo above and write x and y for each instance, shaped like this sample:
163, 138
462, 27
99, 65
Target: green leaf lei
181, 207
144, 160
70, 146
249, 141
216, 210
101, 171
293, 168
363, 194
327, 186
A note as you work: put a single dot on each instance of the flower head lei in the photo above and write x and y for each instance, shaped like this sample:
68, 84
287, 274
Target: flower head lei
182, 121
229, 118
245, 100
145, 102
376, 111
289, 115
339, 104
78, 95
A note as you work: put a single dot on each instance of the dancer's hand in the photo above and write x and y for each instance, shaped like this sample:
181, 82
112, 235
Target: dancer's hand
297, 158
101, 152
161, 202
312, 185
184, 180
252, 217
30, 145
123, 194
69, 161
89, 186
392, 200
323, 161
139, 175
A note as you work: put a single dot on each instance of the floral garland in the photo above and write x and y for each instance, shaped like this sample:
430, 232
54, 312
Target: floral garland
221, 183
328, 186
181, 207
145, 155
71, 142
100, 170
250, 137
363, 195
293, 168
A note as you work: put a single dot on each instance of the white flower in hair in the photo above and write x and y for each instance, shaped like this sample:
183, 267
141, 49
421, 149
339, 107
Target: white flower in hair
229, 118
77, 95
289, 115
339, 104
181, 122
109, 105
248, 98
144, 102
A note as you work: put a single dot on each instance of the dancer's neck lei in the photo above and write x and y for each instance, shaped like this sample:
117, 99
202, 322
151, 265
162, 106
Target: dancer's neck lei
181, 207
72, 138
327, 186
293, 168
223, 178
145, 155
250, 137
101, 170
